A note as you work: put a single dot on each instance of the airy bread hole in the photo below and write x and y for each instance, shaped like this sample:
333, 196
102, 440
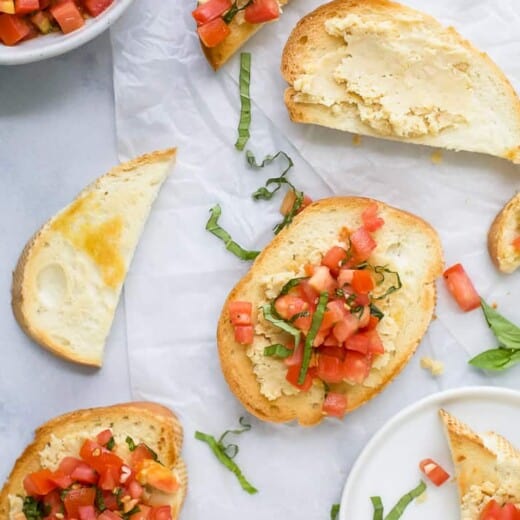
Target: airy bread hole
52, 286
303, 40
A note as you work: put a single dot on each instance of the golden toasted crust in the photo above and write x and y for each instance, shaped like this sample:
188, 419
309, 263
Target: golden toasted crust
160, 420
307, 407
309, 40
240, 33
500, 245
18, 290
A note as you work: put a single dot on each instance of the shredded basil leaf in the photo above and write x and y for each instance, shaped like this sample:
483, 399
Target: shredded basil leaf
133, 511
100, 500
298, 201
264, 193
234, 10
291, 284
506, 332
377, 503
397, 284
277, 350
245, 100
376, 311
110, 444
33, 509
226, 453
213, 227
131, 443
273, 317
317, 318
405, 501
334, 511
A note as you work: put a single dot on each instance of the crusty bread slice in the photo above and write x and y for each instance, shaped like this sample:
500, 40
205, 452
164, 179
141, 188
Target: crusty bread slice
405, 243
241, 31
67, 283
146, 422
504, 230
378, 68
487, 467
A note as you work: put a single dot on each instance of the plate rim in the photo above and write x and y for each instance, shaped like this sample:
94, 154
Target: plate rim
462, 392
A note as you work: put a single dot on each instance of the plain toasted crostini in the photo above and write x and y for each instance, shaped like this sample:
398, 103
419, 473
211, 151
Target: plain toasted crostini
67, 283
331, 310
379, 68
106, 462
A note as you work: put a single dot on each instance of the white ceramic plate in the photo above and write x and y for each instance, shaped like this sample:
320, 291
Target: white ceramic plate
388, 466
54, 44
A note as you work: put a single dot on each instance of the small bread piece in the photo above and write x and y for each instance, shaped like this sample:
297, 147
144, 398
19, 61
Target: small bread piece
241, 31
146, 422
487, 467
67, 283
378, 68
407, 243
504, 230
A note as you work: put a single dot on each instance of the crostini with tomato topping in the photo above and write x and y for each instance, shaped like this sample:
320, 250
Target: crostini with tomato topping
487, 468
223, 26
116, 462
331, 310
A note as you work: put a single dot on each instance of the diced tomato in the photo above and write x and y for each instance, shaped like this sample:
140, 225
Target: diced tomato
98, 457
109, 515
161, 513
244, 334
330, 369
322, 280
510, 512
293, 372
434, 471
364, 319
346, 327
288, 306
362, 281
335, 312
135, 490
39, 483
307, 293
76, 498
296, 358
331, 341
358, 343
309, 269
371, 222
372, 323
26, 6
87, 513
13, 29
375, 345
516, 244
67, 15
42, 20
44, 4
214, 32
210, 10
345, 277
104, 437
84, 474
335, 404
363, 243
158, 476
53, 504
492, 511
140, 454
337, 352
356, 366
109, 478
110, 500
303, 323
68, 465
261, 11
240, 312
143, 513
61, 480
461, 288
96, 7
333, 258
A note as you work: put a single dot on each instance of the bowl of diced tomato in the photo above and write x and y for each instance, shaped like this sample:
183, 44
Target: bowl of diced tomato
33, 30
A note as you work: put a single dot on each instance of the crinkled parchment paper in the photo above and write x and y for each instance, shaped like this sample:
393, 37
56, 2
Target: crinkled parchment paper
167, 95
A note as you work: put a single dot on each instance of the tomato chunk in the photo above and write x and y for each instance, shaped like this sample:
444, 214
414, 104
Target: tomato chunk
322, 280
244, 334
13, 29
161, 513
67, 15
462, 288
261, 11
76, 498
371, 222
333, 258
26, 6
516, 244
87, 513
210, 10
214, 32
346, 327
84, 473
493, 511
104, 437
434, 471
39, 483
335, 404
330, 369
292, 376
362, 282
288, 306
240, 312
363, 243
356, 366
96, 7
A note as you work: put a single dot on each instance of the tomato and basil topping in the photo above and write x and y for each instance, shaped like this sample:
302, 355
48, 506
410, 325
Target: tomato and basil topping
461, 288
99, 484
434, 471
21, 20
330, 315
214, 16
494, 511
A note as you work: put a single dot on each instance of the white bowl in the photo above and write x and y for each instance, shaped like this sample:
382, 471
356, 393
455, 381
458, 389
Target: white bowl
54, 44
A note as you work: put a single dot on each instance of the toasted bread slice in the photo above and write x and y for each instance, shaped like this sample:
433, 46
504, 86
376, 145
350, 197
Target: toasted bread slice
149, 423
378, 68
504, 230
67, 283
241, 31
487, 467
406, 244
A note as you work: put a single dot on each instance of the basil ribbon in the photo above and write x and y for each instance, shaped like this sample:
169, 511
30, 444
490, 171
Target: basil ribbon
277, 350
245, 100
401, 505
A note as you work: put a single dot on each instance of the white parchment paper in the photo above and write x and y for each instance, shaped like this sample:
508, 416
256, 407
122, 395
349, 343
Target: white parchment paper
167, 95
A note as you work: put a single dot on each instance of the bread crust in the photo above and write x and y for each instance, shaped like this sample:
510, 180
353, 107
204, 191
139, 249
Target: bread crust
306, 408
311, 29
19, 290
166, 423
500, 248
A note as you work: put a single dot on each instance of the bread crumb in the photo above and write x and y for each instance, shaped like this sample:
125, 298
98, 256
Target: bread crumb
436, 157
434, 366
434, 317
356, 140
421, 499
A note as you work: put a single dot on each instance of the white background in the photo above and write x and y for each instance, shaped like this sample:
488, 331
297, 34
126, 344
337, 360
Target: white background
59, 130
